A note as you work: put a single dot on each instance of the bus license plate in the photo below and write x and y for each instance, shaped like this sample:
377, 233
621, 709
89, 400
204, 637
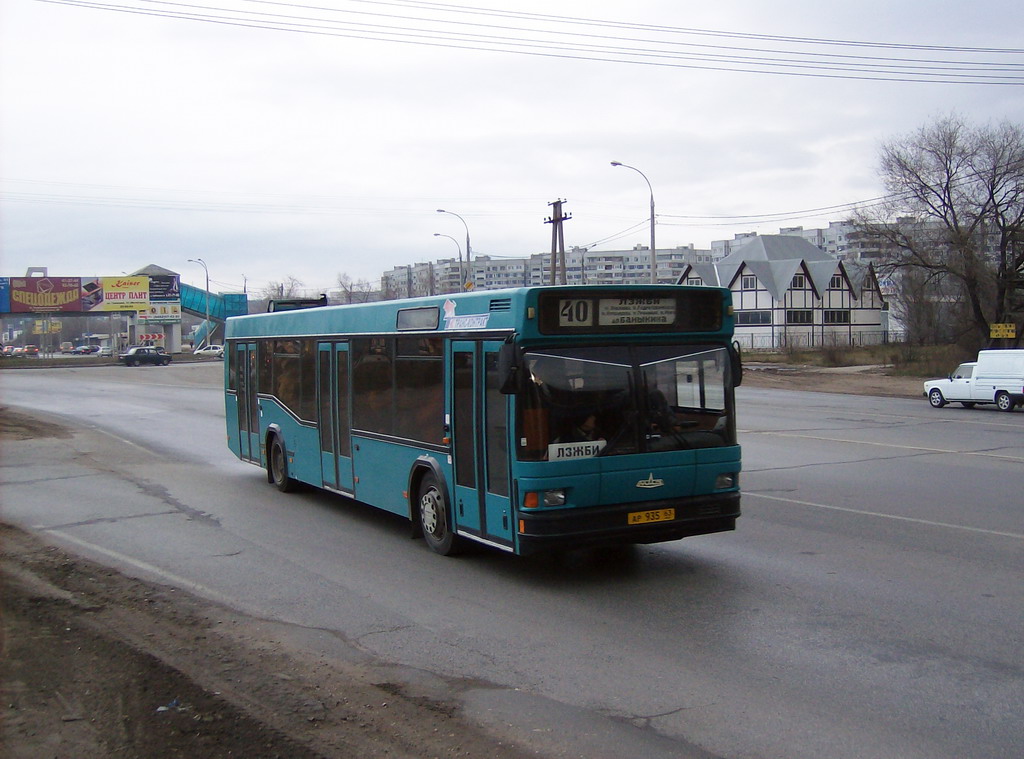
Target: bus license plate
646, 517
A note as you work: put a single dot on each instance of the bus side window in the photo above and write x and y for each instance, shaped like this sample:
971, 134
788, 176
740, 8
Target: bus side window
496, 423
372, 387
462, 399
419, 394
287, 374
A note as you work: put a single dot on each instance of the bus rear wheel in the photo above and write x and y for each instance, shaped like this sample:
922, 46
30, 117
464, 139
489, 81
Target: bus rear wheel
278, 463
433, 513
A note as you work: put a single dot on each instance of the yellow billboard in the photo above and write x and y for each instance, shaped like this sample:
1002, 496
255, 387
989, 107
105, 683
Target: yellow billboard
115, 293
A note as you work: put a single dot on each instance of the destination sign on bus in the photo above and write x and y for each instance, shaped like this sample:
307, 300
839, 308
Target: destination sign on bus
567, 312
573, 312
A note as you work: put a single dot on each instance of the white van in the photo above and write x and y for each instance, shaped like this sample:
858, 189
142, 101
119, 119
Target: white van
996, 377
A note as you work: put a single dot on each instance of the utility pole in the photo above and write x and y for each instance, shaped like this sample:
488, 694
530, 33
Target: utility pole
557, 239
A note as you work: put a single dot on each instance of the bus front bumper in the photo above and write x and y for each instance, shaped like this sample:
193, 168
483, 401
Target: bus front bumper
543, 530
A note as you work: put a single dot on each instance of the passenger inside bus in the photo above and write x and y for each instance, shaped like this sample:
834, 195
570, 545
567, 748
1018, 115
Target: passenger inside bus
584, 428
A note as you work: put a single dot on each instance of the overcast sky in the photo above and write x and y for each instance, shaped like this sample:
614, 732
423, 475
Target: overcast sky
129, 139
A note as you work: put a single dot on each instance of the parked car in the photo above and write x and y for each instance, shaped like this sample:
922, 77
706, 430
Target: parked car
996, 377
210, 351
144, 354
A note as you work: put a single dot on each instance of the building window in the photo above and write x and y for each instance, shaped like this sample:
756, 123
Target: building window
748, 282
837, 317
836, 283
753, 317
799, 317
799, 282
694, 281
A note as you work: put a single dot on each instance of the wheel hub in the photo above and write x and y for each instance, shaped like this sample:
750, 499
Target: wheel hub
430, 509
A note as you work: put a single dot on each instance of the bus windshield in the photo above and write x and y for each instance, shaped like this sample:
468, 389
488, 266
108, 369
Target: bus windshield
606, 401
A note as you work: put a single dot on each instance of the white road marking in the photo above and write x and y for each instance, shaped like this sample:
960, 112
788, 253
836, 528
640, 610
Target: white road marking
917, 448
861, 512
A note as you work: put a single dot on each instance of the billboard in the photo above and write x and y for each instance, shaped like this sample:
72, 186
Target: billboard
164, 300
155, 299
39, 295
127, 293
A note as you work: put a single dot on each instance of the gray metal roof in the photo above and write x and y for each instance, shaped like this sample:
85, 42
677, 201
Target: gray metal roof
775, 259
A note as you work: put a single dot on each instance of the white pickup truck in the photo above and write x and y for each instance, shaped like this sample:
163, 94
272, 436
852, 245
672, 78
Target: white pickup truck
996, 377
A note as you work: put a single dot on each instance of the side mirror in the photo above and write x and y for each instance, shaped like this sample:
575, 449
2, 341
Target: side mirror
737, 364
511, 369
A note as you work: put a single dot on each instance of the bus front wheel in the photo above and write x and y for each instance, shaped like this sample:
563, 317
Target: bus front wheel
279, 466
433, 512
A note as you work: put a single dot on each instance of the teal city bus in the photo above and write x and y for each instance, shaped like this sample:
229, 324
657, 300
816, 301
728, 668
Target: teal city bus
526, 419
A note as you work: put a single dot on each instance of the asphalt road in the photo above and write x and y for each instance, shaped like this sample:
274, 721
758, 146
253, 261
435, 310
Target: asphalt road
870, 604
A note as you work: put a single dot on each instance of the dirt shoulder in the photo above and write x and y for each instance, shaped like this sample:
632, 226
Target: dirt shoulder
96, 664
848, 380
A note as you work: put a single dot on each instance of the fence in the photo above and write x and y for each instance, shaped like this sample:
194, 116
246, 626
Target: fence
801, 340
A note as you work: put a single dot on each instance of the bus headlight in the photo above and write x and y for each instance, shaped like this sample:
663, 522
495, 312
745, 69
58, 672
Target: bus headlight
554, 497
534, 499
725, 480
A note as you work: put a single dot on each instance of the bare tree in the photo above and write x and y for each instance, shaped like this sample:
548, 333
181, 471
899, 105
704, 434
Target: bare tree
287, 288
930, 310
956, 218
354, 291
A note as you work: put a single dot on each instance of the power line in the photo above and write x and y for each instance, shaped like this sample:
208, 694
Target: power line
447, 33
679, 30
123, 197
648, 27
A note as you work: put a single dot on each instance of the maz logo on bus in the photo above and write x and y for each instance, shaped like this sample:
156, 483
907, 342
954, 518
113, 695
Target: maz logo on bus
651, 482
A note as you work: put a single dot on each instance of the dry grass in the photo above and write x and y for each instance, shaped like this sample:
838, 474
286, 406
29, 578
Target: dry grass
902, 360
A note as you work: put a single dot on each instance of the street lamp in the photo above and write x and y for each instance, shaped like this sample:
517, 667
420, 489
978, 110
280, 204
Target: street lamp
469, 267
654, 254
201, 262
462, 276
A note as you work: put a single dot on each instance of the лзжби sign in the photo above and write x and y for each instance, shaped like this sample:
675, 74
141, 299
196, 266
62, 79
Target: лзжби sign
1000, 331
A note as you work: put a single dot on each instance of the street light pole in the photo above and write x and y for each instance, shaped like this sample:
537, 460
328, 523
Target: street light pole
469, 267
201, 262
654, 253
462, 276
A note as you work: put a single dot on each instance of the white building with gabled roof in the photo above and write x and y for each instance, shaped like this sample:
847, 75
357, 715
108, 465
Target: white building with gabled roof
789, 293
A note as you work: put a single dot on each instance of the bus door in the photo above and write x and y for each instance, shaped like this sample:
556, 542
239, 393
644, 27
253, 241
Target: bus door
332, 402
248, 405
479, 426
